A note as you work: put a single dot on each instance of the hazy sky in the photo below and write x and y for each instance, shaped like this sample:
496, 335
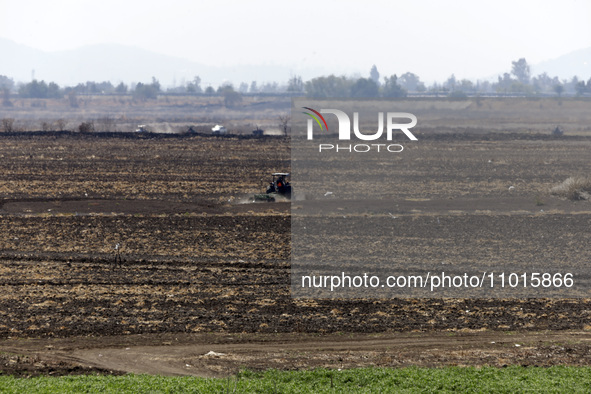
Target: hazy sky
472, 39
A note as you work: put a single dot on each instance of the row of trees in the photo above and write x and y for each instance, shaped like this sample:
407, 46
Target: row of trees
333, 86
517, 81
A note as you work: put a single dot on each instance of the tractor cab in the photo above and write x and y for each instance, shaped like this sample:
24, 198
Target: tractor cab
279, 187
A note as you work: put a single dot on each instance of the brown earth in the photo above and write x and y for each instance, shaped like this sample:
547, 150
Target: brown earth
223, 354
200, 266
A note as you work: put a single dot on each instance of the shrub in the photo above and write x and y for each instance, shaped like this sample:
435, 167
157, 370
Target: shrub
61, 124
558, 132
8, 125
574, 188
86, 127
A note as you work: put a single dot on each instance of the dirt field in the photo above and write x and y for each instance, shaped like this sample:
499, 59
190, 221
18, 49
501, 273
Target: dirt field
203, 271
167, 114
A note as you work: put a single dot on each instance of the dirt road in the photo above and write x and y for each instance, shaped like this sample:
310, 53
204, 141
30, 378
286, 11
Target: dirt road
218, 355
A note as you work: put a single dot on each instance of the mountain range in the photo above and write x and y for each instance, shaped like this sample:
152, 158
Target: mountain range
566, 66
120, 63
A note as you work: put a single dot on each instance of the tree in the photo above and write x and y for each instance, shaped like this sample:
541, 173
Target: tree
331, 86
6, 83
506, 84
581, 88
284, 122
145, 92
61, 124
483, 86
364, 88
8, 125
543, 83
155, 84
520, 69
36, 89
224, 87
91, 88
295, 84
86, 127
374, 74
570, 86
53, 90
391, 87
209, 91
450, 84
465, 86
253, 87
557, 132
243, 88
105, 87
411, 82
195, 85
121, 88
269, 87
558, 89
435, 87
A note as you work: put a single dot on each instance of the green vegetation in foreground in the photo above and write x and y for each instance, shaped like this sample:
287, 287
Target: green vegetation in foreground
558, 379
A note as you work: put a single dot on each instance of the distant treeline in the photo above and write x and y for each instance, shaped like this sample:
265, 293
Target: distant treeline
517, 82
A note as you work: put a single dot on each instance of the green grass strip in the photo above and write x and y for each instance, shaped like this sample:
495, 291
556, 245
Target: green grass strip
558, 379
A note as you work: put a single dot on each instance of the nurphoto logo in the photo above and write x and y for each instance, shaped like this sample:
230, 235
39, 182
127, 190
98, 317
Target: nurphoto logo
344, 130
345, 124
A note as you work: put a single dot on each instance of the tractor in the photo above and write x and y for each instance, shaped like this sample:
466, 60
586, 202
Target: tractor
278, 188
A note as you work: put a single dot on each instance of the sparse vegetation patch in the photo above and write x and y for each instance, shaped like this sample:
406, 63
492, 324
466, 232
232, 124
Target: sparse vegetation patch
574, 188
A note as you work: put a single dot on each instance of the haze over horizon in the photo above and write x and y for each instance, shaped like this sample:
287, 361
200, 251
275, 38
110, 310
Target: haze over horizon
429, 38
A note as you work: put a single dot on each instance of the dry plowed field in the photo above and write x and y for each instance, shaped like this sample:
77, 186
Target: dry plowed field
196, 258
